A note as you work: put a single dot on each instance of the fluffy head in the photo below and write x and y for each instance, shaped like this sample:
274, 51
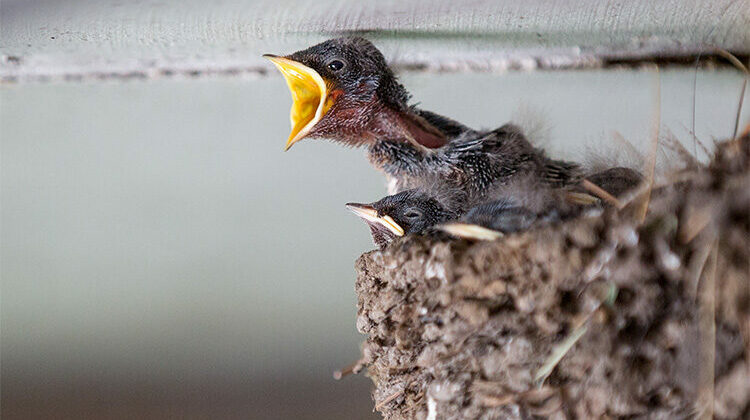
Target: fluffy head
411, 211
354, 66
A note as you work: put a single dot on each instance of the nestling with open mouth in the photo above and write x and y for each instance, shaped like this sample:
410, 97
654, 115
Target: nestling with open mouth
343, 90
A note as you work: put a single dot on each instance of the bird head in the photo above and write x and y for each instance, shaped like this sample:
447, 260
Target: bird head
410, 211
336, 87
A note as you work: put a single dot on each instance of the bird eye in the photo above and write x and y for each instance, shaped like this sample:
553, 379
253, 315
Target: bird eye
413, 214
336, 65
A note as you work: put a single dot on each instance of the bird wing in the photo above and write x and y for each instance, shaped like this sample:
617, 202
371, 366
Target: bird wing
561, 173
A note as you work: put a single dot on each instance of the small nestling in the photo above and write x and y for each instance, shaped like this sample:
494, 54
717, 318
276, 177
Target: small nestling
509, 208
343, 90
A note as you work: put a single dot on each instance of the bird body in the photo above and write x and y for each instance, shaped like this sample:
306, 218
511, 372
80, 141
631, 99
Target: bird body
472, 162
616, 181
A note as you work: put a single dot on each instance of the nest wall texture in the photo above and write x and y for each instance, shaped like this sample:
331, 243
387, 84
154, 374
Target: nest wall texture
610, 315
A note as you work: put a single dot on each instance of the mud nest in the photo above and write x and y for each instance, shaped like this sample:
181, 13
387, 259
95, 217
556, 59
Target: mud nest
617, 314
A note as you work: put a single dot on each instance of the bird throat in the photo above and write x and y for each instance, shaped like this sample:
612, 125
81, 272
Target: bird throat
408, 127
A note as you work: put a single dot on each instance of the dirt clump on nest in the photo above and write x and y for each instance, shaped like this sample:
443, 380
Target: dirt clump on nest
605, 316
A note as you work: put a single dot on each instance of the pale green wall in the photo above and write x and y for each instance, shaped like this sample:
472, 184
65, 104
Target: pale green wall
160, 223
100, 38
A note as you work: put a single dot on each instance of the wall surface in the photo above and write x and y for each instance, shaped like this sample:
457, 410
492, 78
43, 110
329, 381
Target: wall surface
72, 39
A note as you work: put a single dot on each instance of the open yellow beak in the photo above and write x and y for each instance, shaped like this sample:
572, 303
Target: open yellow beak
368, 213
310, 99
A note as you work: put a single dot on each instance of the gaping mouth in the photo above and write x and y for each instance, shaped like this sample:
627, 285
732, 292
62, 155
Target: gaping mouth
309, 95
370, 215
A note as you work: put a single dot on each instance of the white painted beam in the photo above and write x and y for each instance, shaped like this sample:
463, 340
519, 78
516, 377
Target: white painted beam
58, 39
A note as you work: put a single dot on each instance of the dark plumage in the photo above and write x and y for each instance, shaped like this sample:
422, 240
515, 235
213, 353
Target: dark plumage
519, 205
616, 181
367, 106
502, 215
516, 206
473, 163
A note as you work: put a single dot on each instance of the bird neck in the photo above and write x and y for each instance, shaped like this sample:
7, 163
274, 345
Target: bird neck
406, 126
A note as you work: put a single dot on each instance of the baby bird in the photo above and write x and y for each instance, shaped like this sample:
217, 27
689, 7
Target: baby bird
343, 90
511, 208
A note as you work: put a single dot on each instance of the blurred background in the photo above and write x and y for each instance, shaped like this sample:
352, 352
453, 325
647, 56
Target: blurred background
162, 257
